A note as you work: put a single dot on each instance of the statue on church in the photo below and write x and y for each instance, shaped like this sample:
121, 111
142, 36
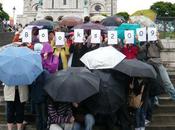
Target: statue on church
40, 2
86, 3
86, 8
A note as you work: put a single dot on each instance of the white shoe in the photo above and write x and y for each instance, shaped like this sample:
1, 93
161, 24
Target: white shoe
137, 128
142, 128
147, 122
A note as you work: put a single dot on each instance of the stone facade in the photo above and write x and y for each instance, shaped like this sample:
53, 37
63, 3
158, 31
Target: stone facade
56, 8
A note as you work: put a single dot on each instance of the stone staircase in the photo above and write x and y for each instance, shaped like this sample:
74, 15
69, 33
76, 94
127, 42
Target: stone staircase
164, 115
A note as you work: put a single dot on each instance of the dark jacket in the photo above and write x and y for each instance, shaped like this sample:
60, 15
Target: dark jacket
78, 51
152, 50
38, 94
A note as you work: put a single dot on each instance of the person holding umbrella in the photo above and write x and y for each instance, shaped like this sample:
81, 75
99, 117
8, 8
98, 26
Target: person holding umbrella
60, 115
15, 97
19, 67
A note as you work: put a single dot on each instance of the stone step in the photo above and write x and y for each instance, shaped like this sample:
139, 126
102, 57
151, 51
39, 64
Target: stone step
166, 102
160, 127
1, 99
164, 109
165, 118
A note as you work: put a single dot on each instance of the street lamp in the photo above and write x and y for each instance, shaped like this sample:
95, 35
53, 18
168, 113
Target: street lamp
111, 7
14, 9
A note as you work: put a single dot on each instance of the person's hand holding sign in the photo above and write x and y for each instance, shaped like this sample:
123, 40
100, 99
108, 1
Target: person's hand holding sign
152, 34
43, 35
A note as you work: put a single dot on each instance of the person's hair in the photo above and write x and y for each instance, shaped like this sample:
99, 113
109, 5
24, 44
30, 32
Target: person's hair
35, 31
50, 18
51, 32
60, 18
86, 19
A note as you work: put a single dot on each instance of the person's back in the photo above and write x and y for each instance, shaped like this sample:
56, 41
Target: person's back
153, 49
153, 54
60, 115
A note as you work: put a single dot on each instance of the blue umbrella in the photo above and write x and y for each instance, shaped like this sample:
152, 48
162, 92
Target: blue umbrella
19, 66
126, 26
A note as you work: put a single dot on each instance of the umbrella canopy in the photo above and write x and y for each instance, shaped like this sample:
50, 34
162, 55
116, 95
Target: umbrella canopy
72, 85
136, 68
143, 21
102, 58
19, 66
47, 24
113, 21
126, 26
110, 97
97, 18
89, 26
71, 21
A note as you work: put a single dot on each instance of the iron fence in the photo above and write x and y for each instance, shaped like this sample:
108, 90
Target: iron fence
166, 27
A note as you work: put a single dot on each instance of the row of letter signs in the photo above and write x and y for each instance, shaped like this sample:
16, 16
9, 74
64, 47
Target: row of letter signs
112, 37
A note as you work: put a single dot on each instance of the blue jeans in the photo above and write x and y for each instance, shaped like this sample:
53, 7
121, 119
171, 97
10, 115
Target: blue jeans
89, 122
167, 85
139, 118
150, 108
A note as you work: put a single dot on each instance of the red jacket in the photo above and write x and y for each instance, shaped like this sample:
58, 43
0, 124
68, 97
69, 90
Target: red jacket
130, 51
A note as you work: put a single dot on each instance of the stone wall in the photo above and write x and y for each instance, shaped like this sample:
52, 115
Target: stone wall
168, 55
6, 38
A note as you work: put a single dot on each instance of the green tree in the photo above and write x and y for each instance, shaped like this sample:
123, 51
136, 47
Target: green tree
125, 15
3, 14
164, 9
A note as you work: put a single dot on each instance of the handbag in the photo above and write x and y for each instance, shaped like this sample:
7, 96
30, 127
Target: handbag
135, 101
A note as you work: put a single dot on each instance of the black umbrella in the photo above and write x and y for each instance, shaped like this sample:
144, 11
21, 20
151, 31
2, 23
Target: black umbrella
46, 24
113, 21
72, 85
136, 68
110, 97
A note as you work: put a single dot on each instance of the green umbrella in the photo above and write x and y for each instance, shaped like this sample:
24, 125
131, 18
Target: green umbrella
126, 26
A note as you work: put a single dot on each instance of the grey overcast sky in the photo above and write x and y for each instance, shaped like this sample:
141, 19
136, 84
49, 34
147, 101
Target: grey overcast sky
129, 6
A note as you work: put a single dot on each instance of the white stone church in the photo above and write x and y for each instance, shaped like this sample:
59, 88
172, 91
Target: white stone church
55, 8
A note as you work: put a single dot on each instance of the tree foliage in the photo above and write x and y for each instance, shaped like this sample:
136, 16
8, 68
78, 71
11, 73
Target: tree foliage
125, 15
3, 14
164, 9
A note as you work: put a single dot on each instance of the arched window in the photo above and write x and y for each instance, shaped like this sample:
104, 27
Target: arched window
64, 2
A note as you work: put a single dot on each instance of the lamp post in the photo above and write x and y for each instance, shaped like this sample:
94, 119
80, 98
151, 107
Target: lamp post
14, 9
112, 7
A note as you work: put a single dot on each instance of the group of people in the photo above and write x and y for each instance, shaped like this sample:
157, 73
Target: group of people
75, 116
